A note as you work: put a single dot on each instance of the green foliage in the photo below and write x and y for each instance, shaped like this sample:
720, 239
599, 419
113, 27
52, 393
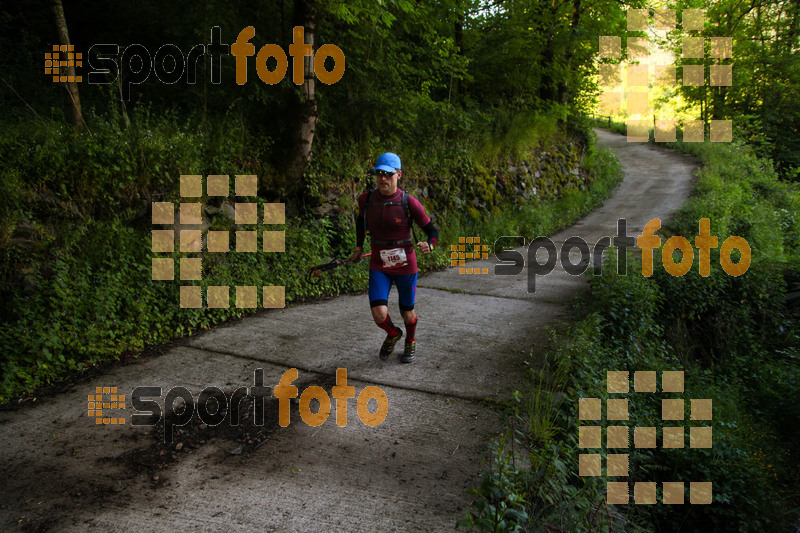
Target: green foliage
534, 463
105, 173
616, 127
535, 55
742, 195
543, 216
500, 500
721, 337
632, 303
737, 344
734, 339
519, 134
100, 303
415, 83
762, 98
83, 262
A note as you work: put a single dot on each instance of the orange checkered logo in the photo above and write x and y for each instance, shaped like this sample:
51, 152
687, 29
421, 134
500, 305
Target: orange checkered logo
643, 76
459, 254
61, 57
617, 433
103, 400
192, 238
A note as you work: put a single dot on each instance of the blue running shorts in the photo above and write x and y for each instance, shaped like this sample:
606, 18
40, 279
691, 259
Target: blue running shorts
380, 283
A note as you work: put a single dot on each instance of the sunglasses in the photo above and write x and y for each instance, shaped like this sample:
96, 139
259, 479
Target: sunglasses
383, 173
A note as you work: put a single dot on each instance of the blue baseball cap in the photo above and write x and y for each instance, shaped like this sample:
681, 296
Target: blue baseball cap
388, 162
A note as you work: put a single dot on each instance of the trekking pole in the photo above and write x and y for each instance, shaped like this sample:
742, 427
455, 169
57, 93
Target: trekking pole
319, 269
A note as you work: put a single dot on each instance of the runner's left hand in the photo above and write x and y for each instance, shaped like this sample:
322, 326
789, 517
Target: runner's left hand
424, 247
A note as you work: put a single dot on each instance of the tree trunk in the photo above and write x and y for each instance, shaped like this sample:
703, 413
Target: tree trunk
550, 80
304, 15
458, 33
73, 102
547, 84
563, 86
718, 96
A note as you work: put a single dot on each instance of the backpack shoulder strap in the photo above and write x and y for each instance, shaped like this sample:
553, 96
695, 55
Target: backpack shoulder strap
407, 209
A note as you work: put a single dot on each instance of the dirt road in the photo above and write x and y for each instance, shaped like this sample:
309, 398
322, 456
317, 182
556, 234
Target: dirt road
411, 472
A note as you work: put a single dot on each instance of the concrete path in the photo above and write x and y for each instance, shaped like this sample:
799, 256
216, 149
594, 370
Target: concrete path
410, 473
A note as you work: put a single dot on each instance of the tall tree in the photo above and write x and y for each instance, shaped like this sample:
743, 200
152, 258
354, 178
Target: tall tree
307, 17
73, 101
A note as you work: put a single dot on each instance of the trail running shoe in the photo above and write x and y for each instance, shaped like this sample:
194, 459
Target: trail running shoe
409, 352
388, 345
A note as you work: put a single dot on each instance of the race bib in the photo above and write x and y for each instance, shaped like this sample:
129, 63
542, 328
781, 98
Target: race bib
394, 258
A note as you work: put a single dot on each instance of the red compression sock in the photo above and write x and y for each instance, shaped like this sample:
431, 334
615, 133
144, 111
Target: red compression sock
388, 327
411, 329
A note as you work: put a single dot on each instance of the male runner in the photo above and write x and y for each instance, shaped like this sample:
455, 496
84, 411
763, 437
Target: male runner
393, 259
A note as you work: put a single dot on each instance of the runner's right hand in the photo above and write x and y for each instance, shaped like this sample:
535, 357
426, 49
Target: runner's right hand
356, 257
